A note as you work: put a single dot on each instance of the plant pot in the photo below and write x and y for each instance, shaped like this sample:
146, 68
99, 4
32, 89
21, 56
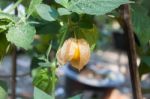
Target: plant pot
102, 80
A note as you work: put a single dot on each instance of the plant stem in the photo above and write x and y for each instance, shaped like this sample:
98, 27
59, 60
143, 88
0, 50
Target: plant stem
131, 50
14, 6
53, 68
14, 59
62, 39
53, 81
49, 50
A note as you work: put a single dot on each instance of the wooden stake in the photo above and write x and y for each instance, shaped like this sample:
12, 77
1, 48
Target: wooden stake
14, 70
131, 50
14, 67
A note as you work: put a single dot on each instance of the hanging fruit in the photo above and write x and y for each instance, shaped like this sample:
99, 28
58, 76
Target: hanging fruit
75, 51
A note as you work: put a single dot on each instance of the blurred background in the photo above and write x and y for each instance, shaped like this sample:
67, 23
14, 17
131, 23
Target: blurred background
106, 76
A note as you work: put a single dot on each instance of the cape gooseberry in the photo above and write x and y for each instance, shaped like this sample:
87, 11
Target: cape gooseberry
75, 51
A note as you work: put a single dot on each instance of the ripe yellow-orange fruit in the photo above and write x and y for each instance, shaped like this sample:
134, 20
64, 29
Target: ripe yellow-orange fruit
76, 55
75, 51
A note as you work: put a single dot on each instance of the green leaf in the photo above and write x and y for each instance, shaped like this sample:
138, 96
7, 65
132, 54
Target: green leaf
144, 65
3, 28
46, 12
43, 79
42, 44
90, 35
33, 5
21, 35
76, 97
63, 11
48, 28
93, 7
146, 59
141, 23
143, 69
3, 90
3, 45
39, 94
35, 63
75, 17
86, 21
63, 2
6, 20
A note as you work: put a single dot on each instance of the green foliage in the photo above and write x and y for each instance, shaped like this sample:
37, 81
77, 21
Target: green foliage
39, 94
3, 45
63, 11
144, 65
83, 27
26, 3
41, 45
93, 7
86, 21
47, 32
62, 34
141, 23
75, 17
3, 90
6, 20
43, 80
43, 73
63, 2
33, 5
22, 35
34, 65
91, 35
51, 28
46, 12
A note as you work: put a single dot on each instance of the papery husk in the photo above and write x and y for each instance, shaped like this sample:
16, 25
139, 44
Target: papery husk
66, 52
75, 51
84, 49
